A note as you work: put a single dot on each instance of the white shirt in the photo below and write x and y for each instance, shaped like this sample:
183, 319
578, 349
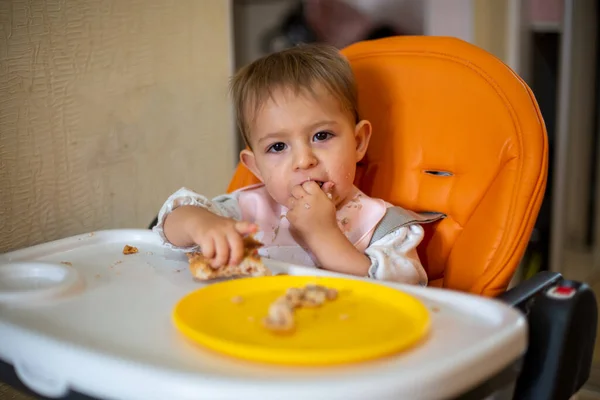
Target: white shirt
393, 257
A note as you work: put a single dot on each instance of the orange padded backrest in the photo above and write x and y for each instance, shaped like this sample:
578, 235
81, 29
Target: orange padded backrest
454, 131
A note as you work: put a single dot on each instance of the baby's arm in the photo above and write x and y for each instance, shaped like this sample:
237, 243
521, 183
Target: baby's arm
185, 203
394, 257
334, 252
180, 224
188, 220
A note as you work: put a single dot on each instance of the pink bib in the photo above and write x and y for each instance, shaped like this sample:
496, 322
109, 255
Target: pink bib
357, 220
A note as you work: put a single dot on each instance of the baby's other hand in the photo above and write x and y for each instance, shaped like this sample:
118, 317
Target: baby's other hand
311, 210
220, 239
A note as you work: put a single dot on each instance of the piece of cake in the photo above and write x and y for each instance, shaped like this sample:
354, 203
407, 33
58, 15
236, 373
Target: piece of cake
251, 264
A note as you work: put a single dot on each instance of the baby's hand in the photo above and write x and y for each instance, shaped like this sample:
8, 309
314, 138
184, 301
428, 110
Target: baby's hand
220, 239
311, 211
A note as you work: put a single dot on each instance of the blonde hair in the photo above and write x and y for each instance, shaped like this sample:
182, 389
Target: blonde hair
298, 68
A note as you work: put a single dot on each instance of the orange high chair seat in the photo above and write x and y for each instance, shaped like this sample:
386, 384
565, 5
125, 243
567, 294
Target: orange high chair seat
454, 131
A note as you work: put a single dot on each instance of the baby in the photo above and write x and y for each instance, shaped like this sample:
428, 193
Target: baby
297, 111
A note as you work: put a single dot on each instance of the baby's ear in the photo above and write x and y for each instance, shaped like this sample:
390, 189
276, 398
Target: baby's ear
249, 160
362, 135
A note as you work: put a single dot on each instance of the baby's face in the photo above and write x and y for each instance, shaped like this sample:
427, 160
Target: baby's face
296, 138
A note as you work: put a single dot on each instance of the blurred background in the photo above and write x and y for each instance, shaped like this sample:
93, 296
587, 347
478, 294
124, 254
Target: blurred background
99, 100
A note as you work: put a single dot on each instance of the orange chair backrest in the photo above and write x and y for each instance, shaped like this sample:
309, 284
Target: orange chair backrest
455, 131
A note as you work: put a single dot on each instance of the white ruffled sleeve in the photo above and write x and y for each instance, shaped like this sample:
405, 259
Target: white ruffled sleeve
225, 206
394, 257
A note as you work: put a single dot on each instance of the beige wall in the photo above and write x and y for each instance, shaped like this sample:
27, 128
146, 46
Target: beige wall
106, 107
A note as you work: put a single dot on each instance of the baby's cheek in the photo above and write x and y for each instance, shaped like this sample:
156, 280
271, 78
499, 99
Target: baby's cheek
271, 183
344, 176
349, 171
278, 192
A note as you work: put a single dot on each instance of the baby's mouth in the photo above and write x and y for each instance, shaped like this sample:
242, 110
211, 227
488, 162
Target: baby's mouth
320, 183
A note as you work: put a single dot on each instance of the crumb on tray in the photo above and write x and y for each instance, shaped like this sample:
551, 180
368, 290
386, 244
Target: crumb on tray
129, 249
67, 263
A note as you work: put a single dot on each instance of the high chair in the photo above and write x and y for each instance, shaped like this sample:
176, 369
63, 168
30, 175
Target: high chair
458, 132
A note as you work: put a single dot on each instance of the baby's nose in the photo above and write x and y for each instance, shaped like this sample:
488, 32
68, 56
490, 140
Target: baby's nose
305, 159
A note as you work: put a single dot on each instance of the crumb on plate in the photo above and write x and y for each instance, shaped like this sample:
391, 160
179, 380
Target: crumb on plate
280, 318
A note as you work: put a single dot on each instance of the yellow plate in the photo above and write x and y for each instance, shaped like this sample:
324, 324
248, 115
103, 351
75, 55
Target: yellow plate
366, 321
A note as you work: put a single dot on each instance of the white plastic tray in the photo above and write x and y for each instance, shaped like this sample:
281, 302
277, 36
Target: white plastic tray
102, 326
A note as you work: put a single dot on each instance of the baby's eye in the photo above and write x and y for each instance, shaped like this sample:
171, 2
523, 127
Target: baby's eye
276, 148
321, 136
